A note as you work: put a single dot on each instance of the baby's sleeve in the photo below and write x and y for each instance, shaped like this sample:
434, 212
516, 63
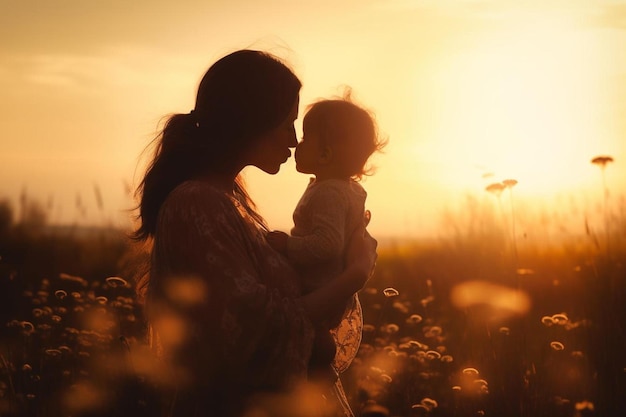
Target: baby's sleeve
328, 210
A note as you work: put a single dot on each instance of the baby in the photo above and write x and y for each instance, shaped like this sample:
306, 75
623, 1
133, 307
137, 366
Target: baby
339, 137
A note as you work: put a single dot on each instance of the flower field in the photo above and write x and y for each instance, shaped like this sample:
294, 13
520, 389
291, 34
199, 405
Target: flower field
468, 325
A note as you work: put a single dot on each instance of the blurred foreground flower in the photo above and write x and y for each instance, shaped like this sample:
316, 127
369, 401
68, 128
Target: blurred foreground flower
501, 302
496, 188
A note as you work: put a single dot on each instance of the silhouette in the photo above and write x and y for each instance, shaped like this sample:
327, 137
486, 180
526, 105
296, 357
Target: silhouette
226, 311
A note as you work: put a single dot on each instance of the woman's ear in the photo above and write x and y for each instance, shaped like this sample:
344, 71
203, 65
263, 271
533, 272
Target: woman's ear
326, 156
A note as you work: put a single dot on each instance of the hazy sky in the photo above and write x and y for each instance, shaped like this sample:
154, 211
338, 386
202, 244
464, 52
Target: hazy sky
468, 92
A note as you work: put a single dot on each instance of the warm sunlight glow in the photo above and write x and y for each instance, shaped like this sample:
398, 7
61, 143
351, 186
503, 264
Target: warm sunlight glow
469, 93
526, 105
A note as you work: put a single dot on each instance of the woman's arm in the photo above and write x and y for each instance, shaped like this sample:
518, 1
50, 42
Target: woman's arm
360, 260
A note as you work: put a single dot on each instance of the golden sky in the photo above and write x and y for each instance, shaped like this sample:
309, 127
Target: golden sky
468, 92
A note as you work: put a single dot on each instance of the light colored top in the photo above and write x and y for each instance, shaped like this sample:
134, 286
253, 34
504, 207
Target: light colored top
327, 214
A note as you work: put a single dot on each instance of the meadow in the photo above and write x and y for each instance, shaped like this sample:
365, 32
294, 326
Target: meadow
484, 321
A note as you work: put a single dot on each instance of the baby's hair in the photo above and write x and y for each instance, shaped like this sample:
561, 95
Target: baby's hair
349, 129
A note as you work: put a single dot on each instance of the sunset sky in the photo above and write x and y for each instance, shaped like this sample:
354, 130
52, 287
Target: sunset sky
468, 93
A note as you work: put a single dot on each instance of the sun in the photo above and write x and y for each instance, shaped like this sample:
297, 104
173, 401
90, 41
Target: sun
526, 105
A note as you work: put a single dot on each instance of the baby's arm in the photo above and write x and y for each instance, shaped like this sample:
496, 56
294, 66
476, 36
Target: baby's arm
328, 210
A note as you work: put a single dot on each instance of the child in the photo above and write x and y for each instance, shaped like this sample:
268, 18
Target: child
338, 139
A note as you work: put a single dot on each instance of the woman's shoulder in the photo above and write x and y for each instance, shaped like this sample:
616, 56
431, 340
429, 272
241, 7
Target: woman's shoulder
197, 198
194, 191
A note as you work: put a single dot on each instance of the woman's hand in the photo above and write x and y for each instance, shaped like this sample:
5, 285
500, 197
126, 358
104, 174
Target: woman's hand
277, 240
360, 259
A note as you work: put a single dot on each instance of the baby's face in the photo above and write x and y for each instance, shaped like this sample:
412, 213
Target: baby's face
308, 152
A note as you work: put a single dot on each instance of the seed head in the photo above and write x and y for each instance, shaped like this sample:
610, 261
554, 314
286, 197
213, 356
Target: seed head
602, 160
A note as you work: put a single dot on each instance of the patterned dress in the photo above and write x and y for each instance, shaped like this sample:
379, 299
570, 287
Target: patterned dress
225, 311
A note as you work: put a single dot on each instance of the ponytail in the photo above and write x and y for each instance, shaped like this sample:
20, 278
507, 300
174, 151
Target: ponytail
172, 164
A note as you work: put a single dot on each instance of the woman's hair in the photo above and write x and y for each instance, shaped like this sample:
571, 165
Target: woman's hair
350, 130
241, 96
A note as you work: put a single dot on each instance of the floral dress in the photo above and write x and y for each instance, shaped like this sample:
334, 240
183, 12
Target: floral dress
224, 308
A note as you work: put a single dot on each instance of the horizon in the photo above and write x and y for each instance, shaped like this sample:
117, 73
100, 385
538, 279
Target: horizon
468, 94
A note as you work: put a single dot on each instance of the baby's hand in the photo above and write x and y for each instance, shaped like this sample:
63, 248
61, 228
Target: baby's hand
277, 240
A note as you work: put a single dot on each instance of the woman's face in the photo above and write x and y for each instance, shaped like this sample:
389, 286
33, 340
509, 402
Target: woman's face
271, 150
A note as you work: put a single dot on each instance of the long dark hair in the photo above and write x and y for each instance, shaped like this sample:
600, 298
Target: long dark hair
241, 96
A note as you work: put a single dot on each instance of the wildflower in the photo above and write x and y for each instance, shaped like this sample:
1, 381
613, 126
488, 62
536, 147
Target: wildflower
102, 299
417, 345
67, 277
427, 300
561, 319
414, 319
391, 292
502, 300
386, 378
431, 332
368, 328
391, 328
470, 371
192, 290
509, 183
495, 188
419, 407
53, 352
584, 405
27, 327
116, 282
601, 160
557, 346
401, 307
65, 349
561, 401
429, 403
482, 386
433, 354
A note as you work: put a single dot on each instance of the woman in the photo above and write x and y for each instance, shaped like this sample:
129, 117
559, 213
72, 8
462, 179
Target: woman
226, 310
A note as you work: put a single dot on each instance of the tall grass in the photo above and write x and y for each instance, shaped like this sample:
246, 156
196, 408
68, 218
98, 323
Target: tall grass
474, 324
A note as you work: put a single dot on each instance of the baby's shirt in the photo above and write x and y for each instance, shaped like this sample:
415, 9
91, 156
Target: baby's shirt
324, 219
